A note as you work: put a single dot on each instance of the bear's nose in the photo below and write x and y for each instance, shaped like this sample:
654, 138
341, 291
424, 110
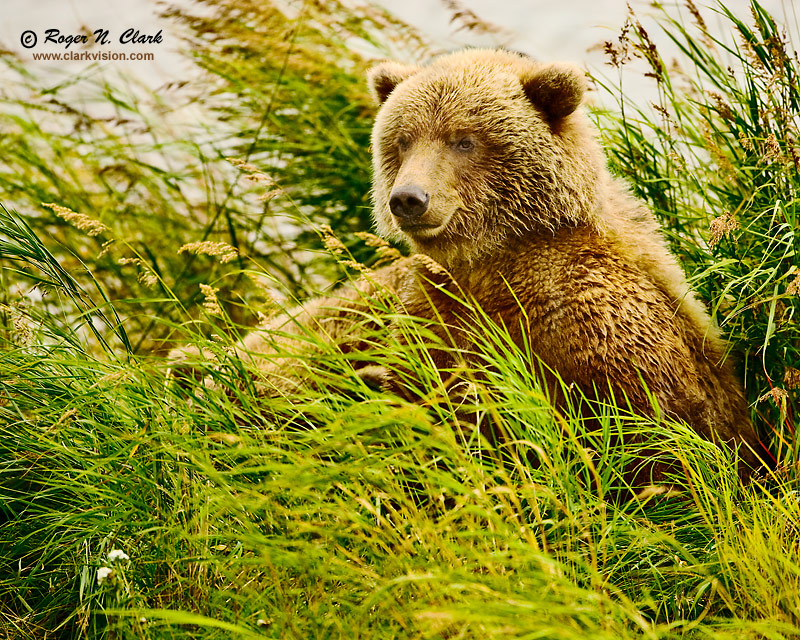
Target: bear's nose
408, 202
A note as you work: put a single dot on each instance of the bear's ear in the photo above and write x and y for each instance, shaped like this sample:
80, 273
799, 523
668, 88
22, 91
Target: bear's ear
384, 77
557, 89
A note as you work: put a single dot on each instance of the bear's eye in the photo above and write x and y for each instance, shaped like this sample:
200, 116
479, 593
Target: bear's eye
403, 143
465, 144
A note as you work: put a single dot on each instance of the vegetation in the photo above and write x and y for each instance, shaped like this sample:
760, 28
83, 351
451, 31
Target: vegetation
718, 159
135, 506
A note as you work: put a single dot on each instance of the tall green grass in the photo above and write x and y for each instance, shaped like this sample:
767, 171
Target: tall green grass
274, 86
339, 510
717, 159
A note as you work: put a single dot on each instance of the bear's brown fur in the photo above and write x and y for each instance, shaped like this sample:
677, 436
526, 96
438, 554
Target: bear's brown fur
484, 162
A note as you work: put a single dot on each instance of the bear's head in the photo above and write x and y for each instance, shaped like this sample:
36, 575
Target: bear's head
479, 148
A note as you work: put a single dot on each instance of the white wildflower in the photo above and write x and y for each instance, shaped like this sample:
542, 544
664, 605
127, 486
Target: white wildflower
103, 574
117, 554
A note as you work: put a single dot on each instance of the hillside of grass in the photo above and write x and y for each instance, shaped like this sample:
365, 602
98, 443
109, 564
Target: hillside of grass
134, 504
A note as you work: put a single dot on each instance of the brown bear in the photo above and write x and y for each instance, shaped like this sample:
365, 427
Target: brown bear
484, 161
485, 164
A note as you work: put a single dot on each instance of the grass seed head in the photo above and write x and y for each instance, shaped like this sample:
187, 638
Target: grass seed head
431, 265
721, 227
148, 279
331, 242
747, 143
772, 149
211, 303
80, 221
225, 252
777, 395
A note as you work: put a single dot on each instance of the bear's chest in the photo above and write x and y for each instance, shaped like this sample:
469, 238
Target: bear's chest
545, 286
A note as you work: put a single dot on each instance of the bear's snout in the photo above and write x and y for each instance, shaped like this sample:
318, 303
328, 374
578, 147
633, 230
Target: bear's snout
408, 203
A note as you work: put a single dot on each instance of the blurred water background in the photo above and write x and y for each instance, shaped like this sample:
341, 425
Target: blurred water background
564, 29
